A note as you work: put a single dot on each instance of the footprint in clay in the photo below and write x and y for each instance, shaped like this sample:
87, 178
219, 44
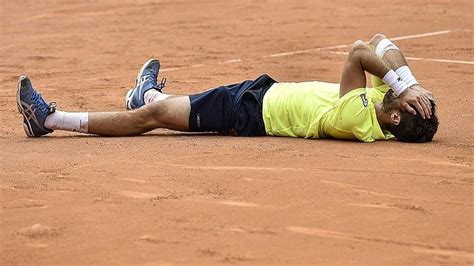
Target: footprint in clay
38, 232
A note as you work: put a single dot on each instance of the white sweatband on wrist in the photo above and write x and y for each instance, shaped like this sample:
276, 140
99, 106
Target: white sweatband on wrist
405, 73
384, 46
395, 82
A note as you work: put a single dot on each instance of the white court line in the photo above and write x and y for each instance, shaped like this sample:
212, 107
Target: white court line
304, 51
184, 67
171, 69
423, 59
441, 60
232, 61
413, 36
307, 50
339, 53
422, 35
197, 65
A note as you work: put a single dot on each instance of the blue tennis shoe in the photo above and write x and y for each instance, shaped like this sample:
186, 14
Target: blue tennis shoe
146, 80
33, 108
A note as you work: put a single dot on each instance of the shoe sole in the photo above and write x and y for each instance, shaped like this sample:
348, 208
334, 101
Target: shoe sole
131, 91
26, 123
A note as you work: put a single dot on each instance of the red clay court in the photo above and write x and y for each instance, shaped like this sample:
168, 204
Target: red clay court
168, 198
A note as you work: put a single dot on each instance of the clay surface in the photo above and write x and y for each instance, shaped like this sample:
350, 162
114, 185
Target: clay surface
169, 198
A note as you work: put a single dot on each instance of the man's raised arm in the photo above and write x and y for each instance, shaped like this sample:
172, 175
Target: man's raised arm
415, 95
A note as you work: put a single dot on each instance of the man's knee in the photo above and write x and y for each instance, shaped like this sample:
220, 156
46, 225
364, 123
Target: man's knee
171, 113
149, 115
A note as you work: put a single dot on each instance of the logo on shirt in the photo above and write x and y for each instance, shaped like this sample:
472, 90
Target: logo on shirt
364, 100
198, 120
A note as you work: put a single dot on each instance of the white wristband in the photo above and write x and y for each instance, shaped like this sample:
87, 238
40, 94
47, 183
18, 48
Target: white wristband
384, 46
395, 82
405, 73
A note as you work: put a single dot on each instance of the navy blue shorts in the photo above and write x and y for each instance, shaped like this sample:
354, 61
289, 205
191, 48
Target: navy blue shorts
234, 109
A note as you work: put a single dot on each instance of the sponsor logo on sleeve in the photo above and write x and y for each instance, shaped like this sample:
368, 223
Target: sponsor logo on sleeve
364, 100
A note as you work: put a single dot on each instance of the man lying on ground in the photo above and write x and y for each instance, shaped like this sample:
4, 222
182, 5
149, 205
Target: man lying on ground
263, 106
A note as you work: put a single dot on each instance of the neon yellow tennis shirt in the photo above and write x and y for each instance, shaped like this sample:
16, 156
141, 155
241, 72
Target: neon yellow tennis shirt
314, 110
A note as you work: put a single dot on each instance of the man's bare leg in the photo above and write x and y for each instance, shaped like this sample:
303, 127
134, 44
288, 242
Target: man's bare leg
41, 117
170, 113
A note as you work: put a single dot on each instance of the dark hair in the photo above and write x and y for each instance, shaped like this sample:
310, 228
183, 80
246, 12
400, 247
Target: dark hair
413, 128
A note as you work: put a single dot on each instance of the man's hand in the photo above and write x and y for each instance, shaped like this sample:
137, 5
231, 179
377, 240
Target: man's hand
418, 97
428, 93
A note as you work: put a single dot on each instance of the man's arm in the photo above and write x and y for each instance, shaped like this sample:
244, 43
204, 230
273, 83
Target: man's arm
360, 59
415, 95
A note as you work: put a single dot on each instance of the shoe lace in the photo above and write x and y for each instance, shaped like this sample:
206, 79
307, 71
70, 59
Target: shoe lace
161, 85
41, 103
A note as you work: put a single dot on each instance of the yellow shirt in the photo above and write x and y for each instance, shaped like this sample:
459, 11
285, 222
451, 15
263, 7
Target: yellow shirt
314, 110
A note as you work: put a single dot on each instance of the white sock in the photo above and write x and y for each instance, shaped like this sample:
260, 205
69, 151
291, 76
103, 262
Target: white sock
154, 96
405, 73
395, 82
68, 121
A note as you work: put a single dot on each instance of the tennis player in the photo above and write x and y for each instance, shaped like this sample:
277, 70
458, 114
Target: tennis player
396, 105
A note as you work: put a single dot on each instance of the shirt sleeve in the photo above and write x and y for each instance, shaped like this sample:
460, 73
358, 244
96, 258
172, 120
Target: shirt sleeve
358, 115
362, 125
